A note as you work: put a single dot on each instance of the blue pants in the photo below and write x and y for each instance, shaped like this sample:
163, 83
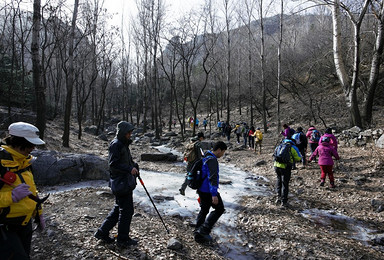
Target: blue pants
121, 213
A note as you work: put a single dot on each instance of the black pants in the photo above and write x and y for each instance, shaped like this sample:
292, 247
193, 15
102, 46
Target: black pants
121, 213
205, 205
282, 183
15, 241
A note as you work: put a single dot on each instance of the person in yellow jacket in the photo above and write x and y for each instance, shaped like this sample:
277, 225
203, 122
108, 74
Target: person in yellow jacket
258, 139
16, 207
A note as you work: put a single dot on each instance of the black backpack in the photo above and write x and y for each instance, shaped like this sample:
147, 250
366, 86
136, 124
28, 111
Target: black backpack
194, 176
282, 153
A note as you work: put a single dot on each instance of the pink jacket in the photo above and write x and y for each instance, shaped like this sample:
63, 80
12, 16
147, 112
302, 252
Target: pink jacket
332, 140
325, 152
309, 133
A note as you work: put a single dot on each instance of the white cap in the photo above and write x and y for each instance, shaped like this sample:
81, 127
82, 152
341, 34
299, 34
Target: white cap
28, 131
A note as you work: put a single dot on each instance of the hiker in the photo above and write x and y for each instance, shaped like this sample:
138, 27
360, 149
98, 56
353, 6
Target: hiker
258, 135
120, 163
205, 123
237, 131
301, 143
219, 126
174, 123
251, 138
227, 131
209, 195
283, 170
332, 138
287, 132
197, 123
192, 158
325, 151
313, 136
244, 131
17, 207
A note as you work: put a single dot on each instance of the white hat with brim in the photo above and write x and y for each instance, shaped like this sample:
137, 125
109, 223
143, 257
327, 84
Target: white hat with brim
28, 131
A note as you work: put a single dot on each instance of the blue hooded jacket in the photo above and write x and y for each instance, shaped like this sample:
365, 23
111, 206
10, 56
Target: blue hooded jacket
210, 174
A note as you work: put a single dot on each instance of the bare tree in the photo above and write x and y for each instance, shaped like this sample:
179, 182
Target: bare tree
70, 77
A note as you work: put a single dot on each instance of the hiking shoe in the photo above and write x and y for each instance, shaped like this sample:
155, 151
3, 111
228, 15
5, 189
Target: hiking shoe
182, 192
285, 204
332, 185
103, 237
322, 184
278, 201
202, 238
126, 244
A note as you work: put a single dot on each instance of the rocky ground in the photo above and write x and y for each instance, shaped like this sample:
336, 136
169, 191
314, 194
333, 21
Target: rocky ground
271, 232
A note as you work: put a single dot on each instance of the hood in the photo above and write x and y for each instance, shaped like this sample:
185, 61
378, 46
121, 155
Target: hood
123, 128
311, 128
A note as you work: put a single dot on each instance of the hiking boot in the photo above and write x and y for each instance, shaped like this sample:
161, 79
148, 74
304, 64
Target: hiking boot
201, 237
127, 243
103, 237
285, 204
332, 185
322, 184
278, 201
182, 191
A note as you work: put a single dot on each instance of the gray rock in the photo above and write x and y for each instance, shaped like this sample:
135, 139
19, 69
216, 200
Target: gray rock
155, 157
380, 142
103, 137
378, 240
174, 244
52, 168
170, 134
260, 163
91, 129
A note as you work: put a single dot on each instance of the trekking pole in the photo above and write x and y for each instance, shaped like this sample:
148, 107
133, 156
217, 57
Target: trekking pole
142, 183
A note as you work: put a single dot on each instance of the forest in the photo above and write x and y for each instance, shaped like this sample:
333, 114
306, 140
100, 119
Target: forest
64, 60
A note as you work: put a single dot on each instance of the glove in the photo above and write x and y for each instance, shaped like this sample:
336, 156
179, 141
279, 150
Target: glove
42, 222
20, 192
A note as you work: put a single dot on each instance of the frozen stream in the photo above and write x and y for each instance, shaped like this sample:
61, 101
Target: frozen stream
166, 185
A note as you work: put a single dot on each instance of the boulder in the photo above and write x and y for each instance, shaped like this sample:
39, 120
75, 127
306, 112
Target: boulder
380, 142
51, 167
91, 129
155, 157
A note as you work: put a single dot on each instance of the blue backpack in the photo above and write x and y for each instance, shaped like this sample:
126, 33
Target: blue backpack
282, 153
315, 136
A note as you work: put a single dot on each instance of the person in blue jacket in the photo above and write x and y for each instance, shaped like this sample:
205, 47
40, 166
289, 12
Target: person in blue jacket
209, 195
283, 172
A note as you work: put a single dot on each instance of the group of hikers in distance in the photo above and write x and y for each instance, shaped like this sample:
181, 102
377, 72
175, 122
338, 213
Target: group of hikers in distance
20, 204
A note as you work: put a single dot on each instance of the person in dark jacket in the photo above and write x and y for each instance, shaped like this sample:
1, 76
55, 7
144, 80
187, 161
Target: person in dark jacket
209, 195
199, 153
120, 162
302, 145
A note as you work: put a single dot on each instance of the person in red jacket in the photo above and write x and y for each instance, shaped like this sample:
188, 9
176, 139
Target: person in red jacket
325, 152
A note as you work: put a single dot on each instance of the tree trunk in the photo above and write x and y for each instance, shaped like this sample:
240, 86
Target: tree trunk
36, 67
375, 68
70, 78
